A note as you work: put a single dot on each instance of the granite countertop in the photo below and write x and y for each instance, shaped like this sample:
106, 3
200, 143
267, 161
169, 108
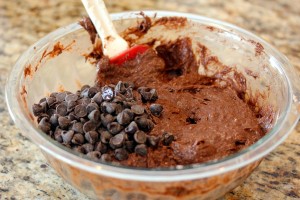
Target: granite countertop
25, 174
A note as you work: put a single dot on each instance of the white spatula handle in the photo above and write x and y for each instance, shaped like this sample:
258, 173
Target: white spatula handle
112, 43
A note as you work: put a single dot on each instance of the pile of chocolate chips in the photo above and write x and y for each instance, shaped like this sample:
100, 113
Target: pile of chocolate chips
102, 121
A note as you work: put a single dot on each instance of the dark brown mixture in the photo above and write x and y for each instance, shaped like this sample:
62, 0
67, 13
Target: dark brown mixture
208, 121
187, 118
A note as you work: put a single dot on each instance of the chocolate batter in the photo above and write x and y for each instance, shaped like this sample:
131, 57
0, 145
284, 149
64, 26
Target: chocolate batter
208, 121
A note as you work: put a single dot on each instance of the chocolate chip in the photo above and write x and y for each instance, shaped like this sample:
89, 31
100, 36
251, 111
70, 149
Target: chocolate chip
84, 87
71, 105
138, 109
94, 155
51, 101
78, 92
148, 94
40, 117
98, 88
130, 113
123, 118
88, 147
106, 157
121, 154
131, 128
67, 136
44, 105
83, 120
97, 98
119, 109
57, 135
72, 116
42, 100
61, 109
44, 125
129, 145
120, 88
54, 120
37, 109
140, 137
156, 109
92, 91
94, 116
153, 141
92, 106
51, 133
111, 107
84, 93
80, 111
114, 128
128, 94
53, 94
78, 139
106, 119
77, 127
126, 138
144, 124
167, 138
84, 101
128, 104
79, 149
63, 122
118, 99
117, 141
105, 137
103, 107
73, 122
51, 112
60, 96
141, 149
154, 95
71, 97
89, 126
107, 93
102, 148
108, 107
91, 136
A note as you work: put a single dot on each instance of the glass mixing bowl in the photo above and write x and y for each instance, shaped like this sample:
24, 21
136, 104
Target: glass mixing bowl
57, 62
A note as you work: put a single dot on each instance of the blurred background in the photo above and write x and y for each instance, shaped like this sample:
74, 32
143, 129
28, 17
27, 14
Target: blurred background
24, 173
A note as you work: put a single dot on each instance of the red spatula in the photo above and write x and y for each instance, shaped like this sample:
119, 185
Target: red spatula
114, 46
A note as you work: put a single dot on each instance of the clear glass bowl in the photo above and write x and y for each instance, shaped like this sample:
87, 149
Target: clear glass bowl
43, 69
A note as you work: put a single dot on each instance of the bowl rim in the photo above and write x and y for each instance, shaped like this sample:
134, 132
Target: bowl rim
189, 172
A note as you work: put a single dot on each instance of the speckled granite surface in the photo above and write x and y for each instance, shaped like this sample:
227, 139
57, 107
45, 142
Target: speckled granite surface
24, 173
